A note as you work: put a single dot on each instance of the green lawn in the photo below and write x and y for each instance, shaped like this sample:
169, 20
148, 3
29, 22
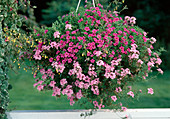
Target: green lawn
24, 97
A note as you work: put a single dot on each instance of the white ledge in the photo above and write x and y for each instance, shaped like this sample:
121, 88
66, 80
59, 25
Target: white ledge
161, 113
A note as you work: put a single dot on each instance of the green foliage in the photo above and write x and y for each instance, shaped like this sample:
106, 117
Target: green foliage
8, 18
12, 20
4, 96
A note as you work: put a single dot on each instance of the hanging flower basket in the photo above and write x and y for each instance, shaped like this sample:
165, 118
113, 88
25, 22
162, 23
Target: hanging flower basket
93, 54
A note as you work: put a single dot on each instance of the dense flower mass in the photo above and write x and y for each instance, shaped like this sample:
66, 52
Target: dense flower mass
94, 54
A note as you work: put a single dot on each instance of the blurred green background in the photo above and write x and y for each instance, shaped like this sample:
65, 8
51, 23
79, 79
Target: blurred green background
152, 16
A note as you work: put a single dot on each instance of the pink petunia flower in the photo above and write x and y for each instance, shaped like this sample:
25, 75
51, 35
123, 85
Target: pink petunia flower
98, 53
124, 108
51, 59
52, 83
42, 71
100, 63
68, 26
150, 91
131, 94
160, 70
45, 31
92, 60
63, 82
57, 34
114, 98
112, 75
86, 28
40, 87
79, 94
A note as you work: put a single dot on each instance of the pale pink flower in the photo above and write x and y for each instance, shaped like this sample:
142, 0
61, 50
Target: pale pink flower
63, 82
68, 26
44, 76
81, 84
160, 70
114, 98
153, 40
159, 61
112, 75
150, 64
144, 33
100, 63
57, 34
98, 53
52, 83
124, 108
69, 92
42, 71
150, 91
53, 44
127, 18
118, 89
37, 57
79, 95
107, 75
131, 94
35, 84
91, 67
57, 91
86, 85
133, 20
95, 90
140, 61
149, 51
40, 87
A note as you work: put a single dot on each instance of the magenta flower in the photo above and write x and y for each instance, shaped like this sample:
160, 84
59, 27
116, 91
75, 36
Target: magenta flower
45, 31
86, 28
92, 60
51, 59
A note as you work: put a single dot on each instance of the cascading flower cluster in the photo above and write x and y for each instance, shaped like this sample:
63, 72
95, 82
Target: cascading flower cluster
94, 54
